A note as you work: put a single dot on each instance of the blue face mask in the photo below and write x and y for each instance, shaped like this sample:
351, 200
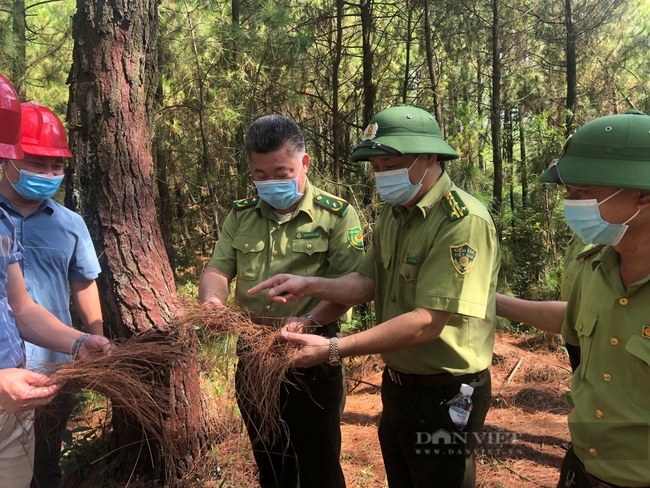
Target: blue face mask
583, 216
396, 187
280, 194
35, 186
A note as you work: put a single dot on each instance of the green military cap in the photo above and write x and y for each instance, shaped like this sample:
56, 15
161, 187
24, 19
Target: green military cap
609, 151
403, 130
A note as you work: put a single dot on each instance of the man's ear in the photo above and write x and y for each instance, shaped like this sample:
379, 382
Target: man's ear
431, 159
644, 200
305, 161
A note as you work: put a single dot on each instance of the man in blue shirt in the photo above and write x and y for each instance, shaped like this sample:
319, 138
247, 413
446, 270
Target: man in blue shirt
21, 318
57, 251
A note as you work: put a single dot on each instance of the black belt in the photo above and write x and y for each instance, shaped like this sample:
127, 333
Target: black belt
442, 380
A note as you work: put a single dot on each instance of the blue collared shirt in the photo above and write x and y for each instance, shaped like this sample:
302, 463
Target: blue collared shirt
12, 354
57, 249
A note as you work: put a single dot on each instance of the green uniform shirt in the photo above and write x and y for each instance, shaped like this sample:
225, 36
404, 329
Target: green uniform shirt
577, 254
610, 424
322, 237
442, 255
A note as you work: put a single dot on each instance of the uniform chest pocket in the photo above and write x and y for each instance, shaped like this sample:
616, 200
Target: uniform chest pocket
639, 347
309, 256
408, 282
585, 325
249, 256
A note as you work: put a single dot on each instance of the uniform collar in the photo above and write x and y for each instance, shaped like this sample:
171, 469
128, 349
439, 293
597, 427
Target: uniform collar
306, 205
47, 205
430, 198
608, 260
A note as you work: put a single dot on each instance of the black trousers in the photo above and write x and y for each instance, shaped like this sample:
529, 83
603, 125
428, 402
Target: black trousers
421, 446
574, 356
49, 427
308, 454
574, 475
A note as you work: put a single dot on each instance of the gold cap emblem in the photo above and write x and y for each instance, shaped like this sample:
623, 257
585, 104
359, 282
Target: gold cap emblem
371, 132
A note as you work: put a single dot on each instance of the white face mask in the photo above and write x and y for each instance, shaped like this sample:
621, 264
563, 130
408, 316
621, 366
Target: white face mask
583, 217
396, 187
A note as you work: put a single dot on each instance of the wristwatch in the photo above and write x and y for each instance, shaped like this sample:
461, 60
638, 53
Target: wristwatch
334, 358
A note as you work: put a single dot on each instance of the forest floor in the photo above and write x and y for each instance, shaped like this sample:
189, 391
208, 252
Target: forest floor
526, 425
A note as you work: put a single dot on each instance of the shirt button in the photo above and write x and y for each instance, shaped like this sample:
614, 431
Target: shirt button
279, 227
246, 246
599, 414
407, 275
580, 327
275, 253
623, 301
593, 452
309, 246
268, 307
393, 299
613, 341
407, 226
607, 377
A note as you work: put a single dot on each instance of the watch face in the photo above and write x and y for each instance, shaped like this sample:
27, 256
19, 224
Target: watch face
334, 362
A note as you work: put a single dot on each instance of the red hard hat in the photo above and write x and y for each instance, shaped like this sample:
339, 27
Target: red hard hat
9, 121
42, 133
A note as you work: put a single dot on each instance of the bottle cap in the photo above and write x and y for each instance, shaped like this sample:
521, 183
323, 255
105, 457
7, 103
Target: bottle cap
466, 390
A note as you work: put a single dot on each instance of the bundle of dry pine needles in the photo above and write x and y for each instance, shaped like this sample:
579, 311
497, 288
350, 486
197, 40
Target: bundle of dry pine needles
135, 376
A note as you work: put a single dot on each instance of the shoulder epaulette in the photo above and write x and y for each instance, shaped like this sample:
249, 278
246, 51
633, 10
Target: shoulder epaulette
588, 250
331, 204
454, 206
245, 203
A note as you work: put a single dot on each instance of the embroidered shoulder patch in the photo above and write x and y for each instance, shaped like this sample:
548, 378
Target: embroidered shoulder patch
245, 203
462, 257
454, 206
588, 250
355, 237
646, 331
331, 204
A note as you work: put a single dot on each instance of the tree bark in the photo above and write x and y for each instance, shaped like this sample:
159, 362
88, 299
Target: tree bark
523, 165
369, 89
19, 64
409, 40
497, 194
336, 116
571, 73
433, 77
113, 83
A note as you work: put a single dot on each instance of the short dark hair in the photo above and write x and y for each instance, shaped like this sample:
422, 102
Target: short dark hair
272, 132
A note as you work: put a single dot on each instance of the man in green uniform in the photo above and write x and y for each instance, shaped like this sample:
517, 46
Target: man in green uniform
577, 254
291, 226
432, 270
605, 168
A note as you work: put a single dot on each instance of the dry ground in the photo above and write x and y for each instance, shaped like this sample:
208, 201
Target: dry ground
532, 406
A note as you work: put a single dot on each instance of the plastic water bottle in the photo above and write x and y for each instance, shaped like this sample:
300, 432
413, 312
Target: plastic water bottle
461, 406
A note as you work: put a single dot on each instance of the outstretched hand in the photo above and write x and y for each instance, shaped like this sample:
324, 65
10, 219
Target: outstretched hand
283, 288
314, 349
20, 389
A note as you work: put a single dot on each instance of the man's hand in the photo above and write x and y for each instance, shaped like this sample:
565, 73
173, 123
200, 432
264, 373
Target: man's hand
283, 288
298, 325
20, 390
315, 349
95, 346
214, 302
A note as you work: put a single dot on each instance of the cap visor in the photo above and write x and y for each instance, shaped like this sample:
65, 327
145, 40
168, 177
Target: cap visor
611, 173
408, 144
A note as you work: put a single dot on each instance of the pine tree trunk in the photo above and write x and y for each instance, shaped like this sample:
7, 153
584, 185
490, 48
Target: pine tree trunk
111, 183
497, 200
571, 70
